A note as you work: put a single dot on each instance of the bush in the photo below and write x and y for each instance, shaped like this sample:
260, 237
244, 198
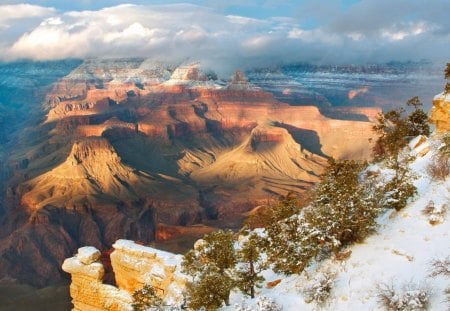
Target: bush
411, 297
441, 268
146, 299
264, 216
209, 290
210, 264
439, 168
435, 214
343, 211
398, 190
319, 289
262, 304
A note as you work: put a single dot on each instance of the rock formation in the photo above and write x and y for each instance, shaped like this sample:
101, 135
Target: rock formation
87, 289
130, 148
440, 113
134, 266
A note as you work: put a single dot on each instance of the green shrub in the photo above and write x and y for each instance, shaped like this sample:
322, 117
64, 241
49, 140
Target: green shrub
146, 299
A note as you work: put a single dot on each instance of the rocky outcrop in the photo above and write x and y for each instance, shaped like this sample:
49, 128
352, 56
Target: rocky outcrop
87, 289
134, 266
440, 113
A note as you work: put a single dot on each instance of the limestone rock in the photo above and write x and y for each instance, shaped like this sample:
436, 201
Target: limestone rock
87, 289
88, 254
135, 265
440, 113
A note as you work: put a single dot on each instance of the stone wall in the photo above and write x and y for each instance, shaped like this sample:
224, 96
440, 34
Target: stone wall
133, 265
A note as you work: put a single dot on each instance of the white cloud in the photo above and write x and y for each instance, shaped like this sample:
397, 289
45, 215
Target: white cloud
182, 31
400, 32
20, 11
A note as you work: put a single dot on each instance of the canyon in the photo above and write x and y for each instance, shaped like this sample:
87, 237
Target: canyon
147, 151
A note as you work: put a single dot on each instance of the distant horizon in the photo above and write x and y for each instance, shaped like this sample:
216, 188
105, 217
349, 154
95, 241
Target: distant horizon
254, 33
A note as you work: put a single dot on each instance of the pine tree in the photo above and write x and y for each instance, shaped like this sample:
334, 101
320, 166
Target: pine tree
291, 244
417, 121
394, 131
250, 263
343, 210
447, 77
209, 289
146, 299
212, 259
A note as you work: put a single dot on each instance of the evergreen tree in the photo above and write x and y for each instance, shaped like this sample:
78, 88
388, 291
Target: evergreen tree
395, 131
146, 299
212, 259
343, 210
417, 121
447, 77
209, 289
250, 263
283, 208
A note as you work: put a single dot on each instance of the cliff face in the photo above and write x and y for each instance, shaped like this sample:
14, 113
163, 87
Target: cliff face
130, 147
440, 113
134, 266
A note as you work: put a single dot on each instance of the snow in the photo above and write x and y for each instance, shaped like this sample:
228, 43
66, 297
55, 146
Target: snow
442, 96
399, 253
88, 254
74, 265
146, 251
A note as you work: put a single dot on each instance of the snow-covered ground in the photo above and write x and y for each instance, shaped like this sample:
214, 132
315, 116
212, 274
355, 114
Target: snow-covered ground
399, 253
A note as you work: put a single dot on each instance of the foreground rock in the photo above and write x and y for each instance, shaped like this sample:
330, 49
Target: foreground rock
440, 113
134, 266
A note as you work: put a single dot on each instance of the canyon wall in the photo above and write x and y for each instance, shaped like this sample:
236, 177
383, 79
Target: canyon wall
130, 149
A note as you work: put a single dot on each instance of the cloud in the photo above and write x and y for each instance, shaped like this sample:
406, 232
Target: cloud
368, 31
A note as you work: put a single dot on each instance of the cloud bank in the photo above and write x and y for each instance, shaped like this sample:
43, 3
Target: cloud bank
368, 31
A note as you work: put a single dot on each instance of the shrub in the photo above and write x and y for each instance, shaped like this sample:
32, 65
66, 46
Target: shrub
146, 299
343, 211
209, 290
210, 264
409, 298
319, 289
441, 267
439, 168
266, 215
344, 208
262, 304
435, 214
398, 190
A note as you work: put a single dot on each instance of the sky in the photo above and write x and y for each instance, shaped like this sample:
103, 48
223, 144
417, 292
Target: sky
251, 32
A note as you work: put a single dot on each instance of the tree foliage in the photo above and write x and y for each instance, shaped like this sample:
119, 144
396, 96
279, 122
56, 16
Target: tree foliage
395, 129
343, 210
447, 77
250, 263
146, 299
210, 262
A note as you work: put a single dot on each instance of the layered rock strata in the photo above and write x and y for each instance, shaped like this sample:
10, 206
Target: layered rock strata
440, 113
134, 266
